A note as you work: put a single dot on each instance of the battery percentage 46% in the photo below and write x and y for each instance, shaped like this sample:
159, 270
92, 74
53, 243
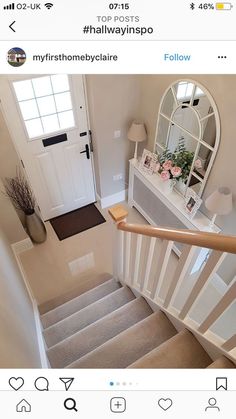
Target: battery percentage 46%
203, 6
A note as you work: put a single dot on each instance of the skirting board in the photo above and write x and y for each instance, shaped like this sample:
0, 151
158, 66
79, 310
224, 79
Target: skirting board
109, 200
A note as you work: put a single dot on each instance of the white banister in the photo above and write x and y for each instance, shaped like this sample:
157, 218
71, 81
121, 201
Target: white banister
134, 281
184, 263
145, 280
163, 260
230, 344
127, 257
213, 263
219, 309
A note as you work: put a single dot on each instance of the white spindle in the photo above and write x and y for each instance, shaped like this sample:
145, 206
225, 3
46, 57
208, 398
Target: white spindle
219, 309
163, 260
213, 263
120, 255
144, 282
137, 259
230, 344
127, 256
183, 266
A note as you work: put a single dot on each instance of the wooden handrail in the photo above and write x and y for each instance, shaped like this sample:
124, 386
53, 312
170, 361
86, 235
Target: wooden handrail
195, 238
192, 237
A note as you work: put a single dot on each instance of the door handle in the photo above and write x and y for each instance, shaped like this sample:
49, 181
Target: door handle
86, 151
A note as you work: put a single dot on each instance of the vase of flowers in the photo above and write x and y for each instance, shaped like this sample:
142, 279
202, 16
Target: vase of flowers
174, 167
22, 197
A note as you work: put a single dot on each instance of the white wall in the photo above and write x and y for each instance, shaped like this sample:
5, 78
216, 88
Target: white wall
18, 340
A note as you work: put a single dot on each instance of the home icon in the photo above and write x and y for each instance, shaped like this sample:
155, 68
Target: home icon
23, 406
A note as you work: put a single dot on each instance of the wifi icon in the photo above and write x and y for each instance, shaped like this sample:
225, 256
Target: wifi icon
48, 5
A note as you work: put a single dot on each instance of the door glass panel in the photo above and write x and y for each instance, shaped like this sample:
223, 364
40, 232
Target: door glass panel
63, 101
23, 90
34, 127
47, 98
66, 119
29, 109
46, 105
42, 86
50, 123
60, 83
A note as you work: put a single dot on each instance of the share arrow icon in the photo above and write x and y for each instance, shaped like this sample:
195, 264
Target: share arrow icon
67, 382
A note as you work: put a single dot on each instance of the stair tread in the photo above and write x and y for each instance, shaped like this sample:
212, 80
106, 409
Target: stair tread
78, 303
83, 286
87, 316
222, 362
86, 340
180, 351
129, 345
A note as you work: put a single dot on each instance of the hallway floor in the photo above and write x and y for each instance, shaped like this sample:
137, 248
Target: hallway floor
55, 267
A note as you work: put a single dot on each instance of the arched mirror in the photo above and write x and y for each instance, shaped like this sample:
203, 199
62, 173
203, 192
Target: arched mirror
188, 128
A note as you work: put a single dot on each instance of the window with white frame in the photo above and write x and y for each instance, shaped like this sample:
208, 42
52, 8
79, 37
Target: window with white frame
45, 104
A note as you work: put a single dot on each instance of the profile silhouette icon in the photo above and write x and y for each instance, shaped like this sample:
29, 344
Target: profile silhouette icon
212, 405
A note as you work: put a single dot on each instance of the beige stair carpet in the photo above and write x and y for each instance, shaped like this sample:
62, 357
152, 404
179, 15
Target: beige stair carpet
78, 303
83, 286
181, 351
86, 340
129, 345
87, 316
222, 362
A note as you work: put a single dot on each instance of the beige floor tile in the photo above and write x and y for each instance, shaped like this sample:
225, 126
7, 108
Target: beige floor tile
54, 267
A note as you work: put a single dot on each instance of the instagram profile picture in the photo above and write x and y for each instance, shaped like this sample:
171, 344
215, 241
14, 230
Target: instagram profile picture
16, 57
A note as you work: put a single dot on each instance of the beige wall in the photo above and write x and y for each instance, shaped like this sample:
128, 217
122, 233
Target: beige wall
8, 163
114, 101
222, 88
18, 340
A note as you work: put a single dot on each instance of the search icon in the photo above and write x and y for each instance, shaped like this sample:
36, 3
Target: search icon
70, 404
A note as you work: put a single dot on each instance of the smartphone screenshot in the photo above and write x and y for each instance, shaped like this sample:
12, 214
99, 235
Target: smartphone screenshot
117, 209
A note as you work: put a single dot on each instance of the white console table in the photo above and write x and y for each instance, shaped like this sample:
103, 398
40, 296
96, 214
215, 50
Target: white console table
146, 195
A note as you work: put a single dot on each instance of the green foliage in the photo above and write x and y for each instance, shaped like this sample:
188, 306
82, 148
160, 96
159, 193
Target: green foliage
181, 158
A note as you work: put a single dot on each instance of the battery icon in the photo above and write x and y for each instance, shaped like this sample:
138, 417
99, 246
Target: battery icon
224, 6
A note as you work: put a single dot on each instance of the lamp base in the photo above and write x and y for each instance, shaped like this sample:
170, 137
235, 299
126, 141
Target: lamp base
136, 151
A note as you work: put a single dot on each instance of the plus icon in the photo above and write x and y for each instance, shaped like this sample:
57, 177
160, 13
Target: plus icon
118, 404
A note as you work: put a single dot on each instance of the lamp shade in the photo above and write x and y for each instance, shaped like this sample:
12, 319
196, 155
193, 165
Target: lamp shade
137, 132
220, 201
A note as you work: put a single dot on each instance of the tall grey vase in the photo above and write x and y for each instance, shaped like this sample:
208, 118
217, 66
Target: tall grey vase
35, 228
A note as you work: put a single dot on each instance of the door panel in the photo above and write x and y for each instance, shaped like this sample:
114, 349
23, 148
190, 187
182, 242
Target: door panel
61, 177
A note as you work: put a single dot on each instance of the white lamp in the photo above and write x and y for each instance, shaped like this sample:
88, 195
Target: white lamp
219, 203
137, 133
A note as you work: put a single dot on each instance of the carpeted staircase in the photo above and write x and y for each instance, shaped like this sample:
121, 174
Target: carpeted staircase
101, 324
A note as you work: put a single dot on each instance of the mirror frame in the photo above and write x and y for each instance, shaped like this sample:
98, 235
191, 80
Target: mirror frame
215, 112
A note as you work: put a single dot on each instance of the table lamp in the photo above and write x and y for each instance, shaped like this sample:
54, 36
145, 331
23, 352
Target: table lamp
137, 133
219, 203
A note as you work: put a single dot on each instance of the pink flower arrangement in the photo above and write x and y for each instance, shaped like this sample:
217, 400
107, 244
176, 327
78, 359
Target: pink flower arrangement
176, 171
167, 165
168, 171
165, 175
198, 164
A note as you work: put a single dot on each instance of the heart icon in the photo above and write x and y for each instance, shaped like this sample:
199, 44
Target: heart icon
165, 404
16, 383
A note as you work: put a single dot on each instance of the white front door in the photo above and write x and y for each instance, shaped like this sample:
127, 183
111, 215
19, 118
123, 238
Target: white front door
47, 119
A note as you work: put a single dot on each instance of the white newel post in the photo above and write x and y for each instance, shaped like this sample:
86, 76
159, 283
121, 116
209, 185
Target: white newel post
118, 215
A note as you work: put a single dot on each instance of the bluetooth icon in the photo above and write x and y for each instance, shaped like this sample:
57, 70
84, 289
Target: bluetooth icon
192, 6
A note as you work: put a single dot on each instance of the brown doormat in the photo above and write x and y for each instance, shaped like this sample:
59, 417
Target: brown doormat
75, 222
